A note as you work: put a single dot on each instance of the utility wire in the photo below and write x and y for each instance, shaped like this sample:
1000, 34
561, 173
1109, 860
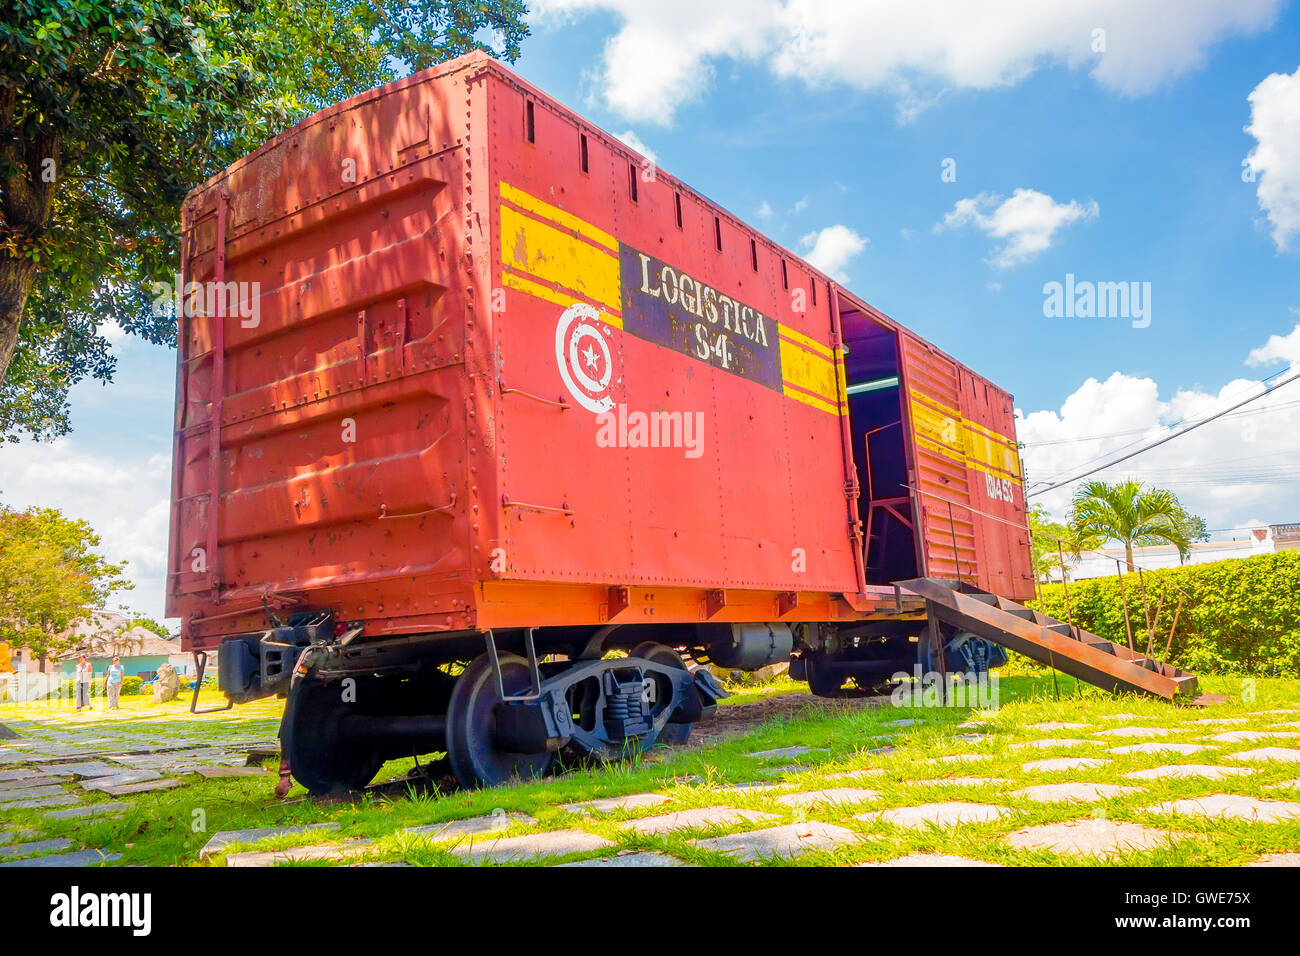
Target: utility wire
1089, 460
1194, 425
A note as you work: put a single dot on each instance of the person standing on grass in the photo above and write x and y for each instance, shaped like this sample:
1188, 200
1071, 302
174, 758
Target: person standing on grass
82, 678
113, 683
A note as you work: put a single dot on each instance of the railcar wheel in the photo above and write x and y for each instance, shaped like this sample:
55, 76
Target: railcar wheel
472, 749
662, 654
319, 757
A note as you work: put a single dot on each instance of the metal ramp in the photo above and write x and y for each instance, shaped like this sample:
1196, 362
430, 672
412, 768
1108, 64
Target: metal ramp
1067, 648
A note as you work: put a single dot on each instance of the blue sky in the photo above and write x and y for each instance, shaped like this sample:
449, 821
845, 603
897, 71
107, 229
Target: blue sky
802, 117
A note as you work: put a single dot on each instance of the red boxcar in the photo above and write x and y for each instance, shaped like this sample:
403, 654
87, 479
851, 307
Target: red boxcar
458, 369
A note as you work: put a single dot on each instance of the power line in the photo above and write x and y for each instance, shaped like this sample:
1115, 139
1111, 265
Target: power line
1102, 454
1194, 425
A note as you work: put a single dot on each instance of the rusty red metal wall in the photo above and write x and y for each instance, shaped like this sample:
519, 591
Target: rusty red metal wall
465, 298
968, 482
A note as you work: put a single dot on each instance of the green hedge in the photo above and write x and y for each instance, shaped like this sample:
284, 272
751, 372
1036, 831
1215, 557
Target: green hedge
1240, 616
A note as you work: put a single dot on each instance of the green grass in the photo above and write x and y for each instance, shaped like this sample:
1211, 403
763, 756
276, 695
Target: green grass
169, 828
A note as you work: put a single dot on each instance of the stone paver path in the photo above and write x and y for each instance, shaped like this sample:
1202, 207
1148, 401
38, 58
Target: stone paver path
1250, 736
695, 819
507, 849
1050, 743
1232, 805
1180, 770
1277, 859
957, 782
632, 801
297, 854
1134, 732
785, 753
470, 826
643, 858
224, 838
930, 859
1047, 725
1080, 792
1091, 837
938, 814
784, 841
1265, 754
1160, 747
40, 847
831, 795
79, 858
1058, 764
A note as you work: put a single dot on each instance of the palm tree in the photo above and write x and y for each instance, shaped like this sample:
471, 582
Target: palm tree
1129, 513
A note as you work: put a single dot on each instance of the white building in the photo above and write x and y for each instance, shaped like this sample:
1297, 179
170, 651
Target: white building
1100, 563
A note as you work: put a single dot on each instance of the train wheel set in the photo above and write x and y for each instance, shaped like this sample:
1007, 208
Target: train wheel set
497, 716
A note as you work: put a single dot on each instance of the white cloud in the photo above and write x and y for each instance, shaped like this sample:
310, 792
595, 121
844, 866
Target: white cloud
663, 54
1275, 161
1026, 222
831, 249
1278, 348
800, 205
765, 210
1229, 471
125, 499
633, 142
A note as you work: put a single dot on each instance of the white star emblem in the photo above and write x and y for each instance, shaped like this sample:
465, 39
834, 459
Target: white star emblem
590, 355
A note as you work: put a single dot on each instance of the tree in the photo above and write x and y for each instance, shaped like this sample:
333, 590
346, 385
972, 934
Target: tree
112, 110
149, 624
1132, 514
50, 576
1052, 540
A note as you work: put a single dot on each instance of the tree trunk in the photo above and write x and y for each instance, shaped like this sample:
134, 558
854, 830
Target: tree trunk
16, 277
29, 165
1128, 555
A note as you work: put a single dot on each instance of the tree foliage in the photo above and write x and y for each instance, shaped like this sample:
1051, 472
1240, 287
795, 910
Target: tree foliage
112, 110
50, 576
1238, 616
1133, 515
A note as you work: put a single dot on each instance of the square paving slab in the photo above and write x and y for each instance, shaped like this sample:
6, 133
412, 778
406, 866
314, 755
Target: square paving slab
831, 795
786, 753
27, 784
139, 786
1045, 725
784, 841
1134, 732
752, 787
958, 781
942, 860
1180, 770
94, 810
1081, 792
632, 801
695, 819
1221, 721
63, 799
471, 826
224, 838
1278, 859
1250, 736
1050, 743
644, 858
1265, 754
1058, 764
297, 854
1232, 805
31, 793
554, 843
939, 814
1089, 837
1160, 747
40, 847
79, 858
